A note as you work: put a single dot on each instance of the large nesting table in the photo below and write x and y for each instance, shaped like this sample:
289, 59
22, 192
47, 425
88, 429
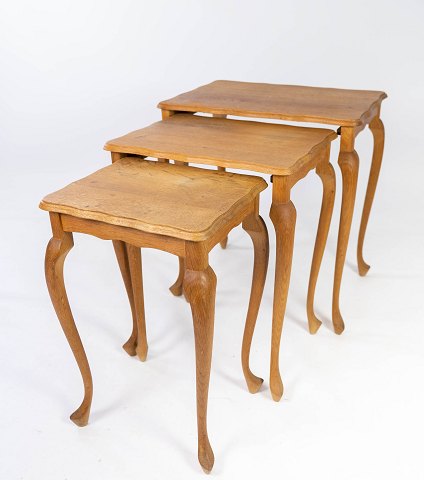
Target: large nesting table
350, 110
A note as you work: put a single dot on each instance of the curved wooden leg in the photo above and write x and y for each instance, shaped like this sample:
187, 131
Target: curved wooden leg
57, 249
326, 172
177, 288
122, 257
349, 164
377, 129
134, 262
283, 216
200, 288
256, 228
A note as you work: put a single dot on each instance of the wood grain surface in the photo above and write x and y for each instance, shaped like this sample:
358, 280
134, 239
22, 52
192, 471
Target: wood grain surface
184, 202
333, 106
246, 145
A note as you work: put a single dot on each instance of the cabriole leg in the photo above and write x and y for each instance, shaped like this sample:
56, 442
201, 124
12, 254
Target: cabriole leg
283, 216
134, 261
256, 228
377, 129
122, 257
349, 165
200, 288
326, 173
57, 249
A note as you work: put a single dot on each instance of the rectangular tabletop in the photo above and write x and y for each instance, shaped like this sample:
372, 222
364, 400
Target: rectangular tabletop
246, 145
191, 204
333, 106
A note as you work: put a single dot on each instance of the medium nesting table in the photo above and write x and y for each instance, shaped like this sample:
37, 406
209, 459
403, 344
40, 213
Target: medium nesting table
351, 110
287, 153
185, 211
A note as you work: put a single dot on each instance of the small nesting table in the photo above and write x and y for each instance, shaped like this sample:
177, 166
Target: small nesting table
287, 153
351, 110
181, 210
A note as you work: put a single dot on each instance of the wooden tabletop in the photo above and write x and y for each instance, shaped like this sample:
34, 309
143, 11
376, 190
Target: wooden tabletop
183, 202
286, 102
256, 146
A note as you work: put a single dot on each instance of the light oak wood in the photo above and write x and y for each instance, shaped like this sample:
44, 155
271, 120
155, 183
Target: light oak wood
224, 242
165, 114
333, 106
327, 175
377, 129
200, 288
221, 169
253, 146
350, 109
177, 287
135, 237
122, 256
265, 148
246, 145
199, 281
57, 249
256, 228
283, 216
349, 165
134, 262
132, 193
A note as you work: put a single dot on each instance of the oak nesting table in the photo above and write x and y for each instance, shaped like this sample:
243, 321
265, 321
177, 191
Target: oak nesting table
288, 153
185, 211
351, 110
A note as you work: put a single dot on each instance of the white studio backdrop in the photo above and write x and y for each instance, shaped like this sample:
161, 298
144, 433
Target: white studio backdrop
74, 74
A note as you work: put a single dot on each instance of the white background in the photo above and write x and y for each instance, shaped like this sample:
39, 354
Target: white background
74, 74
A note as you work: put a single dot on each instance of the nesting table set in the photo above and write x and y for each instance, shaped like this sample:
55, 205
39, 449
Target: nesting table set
184, 210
